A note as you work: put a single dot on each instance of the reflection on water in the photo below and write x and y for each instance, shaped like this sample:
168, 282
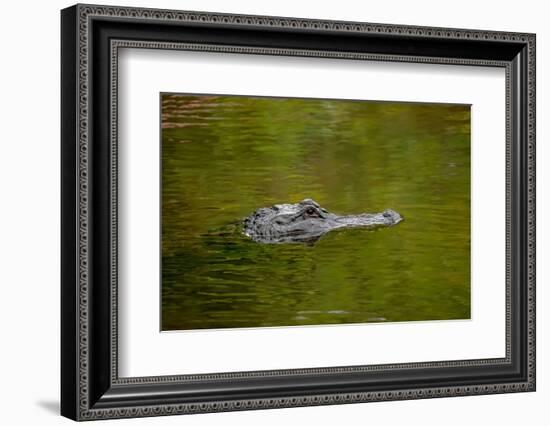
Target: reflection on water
224, 156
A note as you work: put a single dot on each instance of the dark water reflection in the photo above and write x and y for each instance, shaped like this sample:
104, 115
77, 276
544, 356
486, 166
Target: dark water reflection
223, 157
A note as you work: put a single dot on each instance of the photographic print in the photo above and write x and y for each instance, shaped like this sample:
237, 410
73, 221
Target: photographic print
309, 196
298, 212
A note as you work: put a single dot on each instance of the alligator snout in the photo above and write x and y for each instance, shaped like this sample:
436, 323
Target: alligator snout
370, 220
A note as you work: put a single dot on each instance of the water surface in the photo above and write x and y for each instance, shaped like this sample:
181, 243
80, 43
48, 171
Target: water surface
225, 156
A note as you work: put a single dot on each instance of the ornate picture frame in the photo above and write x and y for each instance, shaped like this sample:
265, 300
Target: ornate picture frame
91, 37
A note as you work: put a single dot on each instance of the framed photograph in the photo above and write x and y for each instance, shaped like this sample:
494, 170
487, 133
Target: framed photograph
263, 212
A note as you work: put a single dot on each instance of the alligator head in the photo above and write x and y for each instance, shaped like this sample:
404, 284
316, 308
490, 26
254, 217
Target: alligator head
306, 222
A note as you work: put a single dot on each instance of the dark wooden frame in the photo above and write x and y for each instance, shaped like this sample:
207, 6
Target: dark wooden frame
91, 37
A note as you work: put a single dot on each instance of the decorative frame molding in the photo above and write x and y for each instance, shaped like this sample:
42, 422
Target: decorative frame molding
91, 388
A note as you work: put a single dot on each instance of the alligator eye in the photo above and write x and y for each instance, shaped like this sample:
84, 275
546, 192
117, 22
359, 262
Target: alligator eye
310, 211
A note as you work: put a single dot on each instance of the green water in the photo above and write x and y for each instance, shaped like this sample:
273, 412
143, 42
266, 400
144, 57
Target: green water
223, 157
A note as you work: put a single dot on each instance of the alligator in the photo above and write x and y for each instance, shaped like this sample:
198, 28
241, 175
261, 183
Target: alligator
307, 221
